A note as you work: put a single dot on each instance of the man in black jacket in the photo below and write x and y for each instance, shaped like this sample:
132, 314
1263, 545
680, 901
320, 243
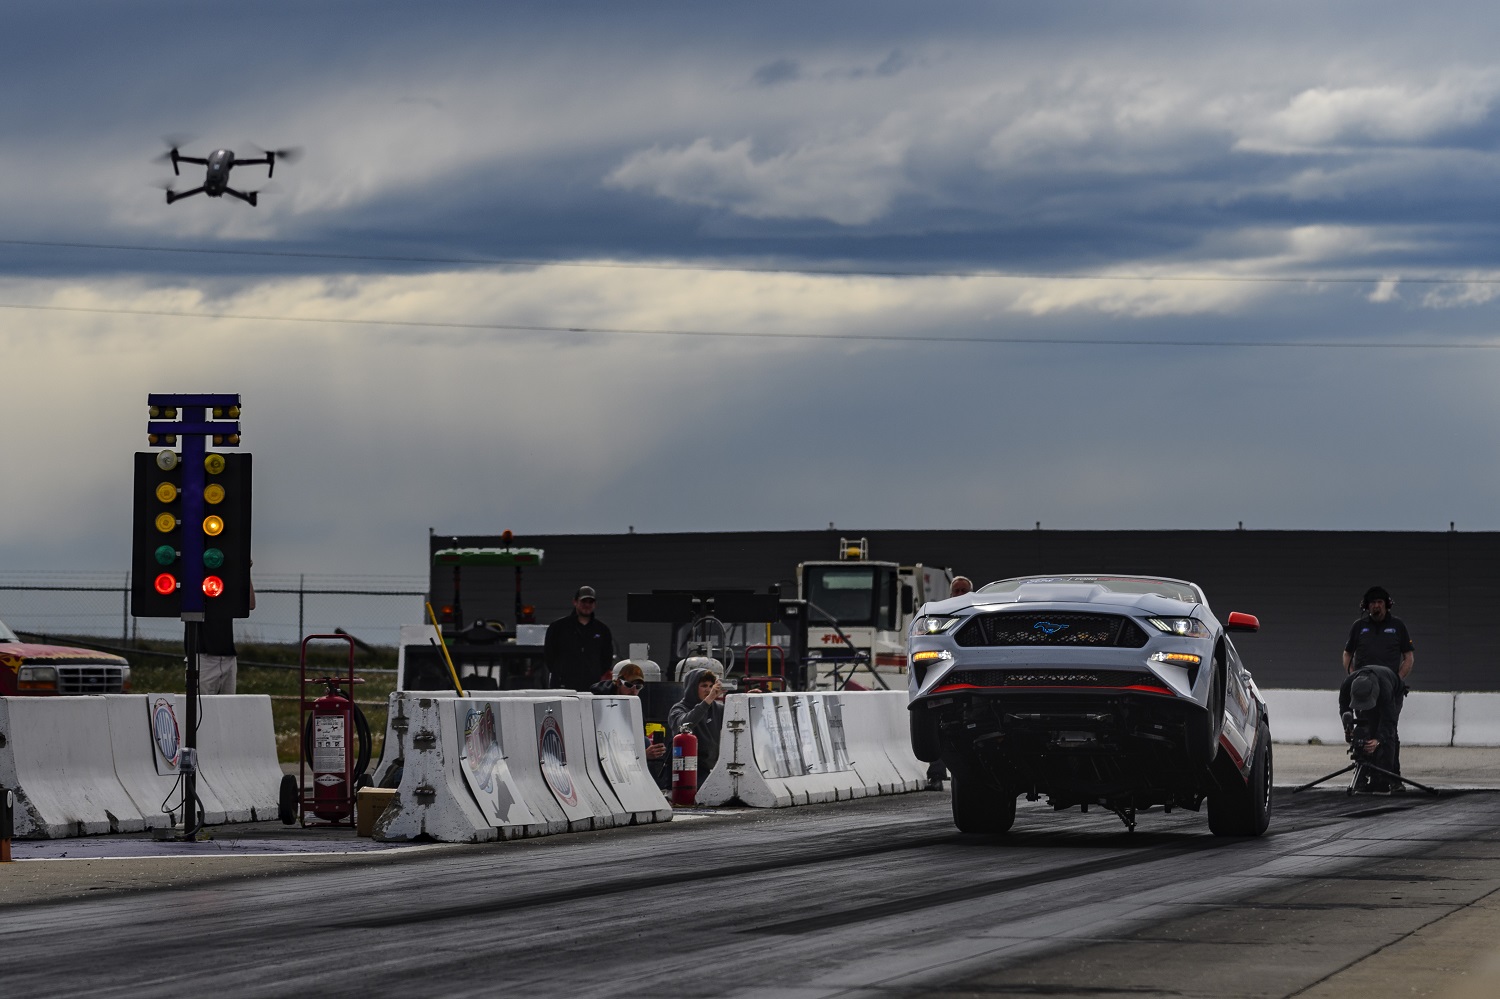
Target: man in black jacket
1370, 693
1379, 638
579, 647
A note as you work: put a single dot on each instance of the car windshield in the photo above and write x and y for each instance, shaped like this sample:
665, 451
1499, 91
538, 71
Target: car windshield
6, 635
1172, 589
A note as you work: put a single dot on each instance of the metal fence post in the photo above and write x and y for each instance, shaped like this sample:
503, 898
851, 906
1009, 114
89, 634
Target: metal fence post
301, 595
125, 611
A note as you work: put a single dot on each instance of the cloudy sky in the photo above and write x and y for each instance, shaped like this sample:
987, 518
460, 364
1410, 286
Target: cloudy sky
568, 267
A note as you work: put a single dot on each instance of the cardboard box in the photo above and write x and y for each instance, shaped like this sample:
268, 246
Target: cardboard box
368, 804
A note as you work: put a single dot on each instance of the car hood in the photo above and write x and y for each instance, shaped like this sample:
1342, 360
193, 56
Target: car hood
17, 654
1071, 594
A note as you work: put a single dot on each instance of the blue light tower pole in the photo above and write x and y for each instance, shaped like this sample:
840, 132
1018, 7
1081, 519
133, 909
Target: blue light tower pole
194, 419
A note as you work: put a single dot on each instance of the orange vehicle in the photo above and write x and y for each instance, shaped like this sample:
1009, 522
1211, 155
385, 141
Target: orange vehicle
29, 669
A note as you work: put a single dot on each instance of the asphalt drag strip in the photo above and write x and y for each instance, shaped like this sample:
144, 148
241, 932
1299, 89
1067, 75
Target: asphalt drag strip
878, 897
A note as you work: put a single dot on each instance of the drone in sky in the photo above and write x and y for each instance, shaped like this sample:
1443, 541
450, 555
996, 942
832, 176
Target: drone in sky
218, 164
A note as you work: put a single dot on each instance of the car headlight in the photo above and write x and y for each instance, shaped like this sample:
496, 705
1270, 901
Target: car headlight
934, 625
36, 678
1182, 627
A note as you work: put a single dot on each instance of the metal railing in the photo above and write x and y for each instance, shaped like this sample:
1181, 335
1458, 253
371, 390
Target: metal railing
97, 603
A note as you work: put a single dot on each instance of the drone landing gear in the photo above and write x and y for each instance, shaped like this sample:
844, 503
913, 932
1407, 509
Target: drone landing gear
246, 196
1362, 770
175, 196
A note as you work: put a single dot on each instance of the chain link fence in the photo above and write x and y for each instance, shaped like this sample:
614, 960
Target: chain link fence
288, 607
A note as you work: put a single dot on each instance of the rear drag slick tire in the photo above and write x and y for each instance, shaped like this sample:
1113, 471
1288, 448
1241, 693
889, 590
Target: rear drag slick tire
1244, 809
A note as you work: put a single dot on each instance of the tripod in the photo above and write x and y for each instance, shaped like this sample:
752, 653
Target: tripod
1362, 769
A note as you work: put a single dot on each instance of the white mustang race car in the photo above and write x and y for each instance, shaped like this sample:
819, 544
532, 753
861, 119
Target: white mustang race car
1118, 691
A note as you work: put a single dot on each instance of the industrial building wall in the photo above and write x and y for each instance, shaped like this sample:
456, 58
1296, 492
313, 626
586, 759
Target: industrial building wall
1303, 585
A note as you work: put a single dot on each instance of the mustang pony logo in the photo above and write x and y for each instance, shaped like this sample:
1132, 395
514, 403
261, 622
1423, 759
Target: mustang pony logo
1049, 627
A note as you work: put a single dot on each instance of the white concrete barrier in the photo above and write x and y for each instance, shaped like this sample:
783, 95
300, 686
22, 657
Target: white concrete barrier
237, 754
55, 753
433, 800
792, 749
146, 739
619, 730
1300, 716
518, 738
1427, 719
515, 765
898, 747
1476, 720
487, 771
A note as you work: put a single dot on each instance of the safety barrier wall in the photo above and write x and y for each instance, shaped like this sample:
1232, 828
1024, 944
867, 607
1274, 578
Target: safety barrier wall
511, 764
1428, 718
1476, 720
795, 749
99, 764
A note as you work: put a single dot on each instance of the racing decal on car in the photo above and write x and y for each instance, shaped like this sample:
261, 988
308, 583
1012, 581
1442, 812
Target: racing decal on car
10, 662
555, 759
1049, 627
164, 731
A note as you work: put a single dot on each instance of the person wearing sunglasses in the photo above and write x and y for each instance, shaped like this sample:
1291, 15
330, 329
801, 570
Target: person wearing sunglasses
580, 648
627, 680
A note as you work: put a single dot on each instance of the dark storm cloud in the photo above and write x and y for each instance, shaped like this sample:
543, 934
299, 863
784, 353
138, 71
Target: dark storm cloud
1091, 132
1087, 140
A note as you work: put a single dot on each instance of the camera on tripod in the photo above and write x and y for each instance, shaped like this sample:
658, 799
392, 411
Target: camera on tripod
1357, 732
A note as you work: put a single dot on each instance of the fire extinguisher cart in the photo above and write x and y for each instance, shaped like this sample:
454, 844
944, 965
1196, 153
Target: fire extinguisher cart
326, 728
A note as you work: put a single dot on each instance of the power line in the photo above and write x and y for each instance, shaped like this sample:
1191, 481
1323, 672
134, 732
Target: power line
740, 269
751, 335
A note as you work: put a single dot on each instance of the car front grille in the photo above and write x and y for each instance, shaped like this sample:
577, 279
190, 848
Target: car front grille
1051, 678
1012, 628
90, 680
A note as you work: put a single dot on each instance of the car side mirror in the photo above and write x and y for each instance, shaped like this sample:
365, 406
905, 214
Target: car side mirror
1242, 622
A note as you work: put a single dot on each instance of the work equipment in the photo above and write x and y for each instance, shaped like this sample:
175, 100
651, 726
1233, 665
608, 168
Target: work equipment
336, 743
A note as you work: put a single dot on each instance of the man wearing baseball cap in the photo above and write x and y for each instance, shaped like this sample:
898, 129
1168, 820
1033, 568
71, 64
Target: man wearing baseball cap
627, 680
579, 647
1379, 638
1369, 692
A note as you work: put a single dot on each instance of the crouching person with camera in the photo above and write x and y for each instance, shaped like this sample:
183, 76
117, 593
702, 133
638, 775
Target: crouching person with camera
1369, 708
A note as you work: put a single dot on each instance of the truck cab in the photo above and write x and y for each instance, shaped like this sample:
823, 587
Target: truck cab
858, 614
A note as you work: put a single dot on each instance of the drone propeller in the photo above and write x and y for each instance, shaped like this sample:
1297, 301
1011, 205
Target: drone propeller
174, 145
291, 154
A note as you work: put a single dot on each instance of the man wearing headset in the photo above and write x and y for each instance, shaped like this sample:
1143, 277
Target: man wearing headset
1381, 639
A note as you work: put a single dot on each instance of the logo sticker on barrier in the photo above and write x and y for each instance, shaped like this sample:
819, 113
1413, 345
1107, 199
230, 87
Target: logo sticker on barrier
554, 757
165, 733
831, 712
813, 757
766, 742
485, 768
615, 746
481, 747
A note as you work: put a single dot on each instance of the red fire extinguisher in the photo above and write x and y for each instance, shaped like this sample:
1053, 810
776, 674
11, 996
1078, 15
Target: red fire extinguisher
332, 724
684, 768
